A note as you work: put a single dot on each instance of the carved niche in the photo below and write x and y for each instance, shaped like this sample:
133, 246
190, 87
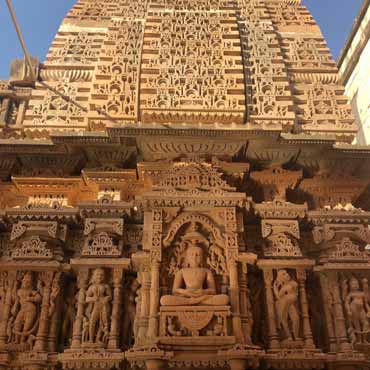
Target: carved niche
287, 305
196, 268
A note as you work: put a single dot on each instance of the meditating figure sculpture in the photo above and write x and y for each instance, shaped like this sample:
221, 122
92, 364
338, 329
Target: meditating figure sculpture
98, 298
194, 284
286, 294
358, 311
25, 310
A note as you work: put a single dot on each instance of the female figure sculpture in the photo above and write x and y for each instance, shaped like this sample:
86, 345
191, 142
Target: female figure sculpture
358, 311
98, 298
286, 294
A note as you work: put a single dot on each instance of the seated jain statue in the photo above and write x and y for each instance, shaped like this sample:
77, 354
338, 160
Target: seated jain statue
193, 284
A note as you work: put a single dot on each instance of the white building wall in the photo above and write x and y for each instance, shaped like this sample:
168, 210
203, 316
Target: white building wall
357, 88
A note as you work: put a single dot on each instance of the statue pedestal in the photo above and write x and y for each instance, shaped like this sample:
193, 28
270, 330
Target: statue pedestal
195, 325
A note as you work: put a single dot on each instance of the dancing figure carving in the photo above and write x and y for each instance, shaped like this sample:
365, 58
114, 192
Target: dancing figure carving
98, 299
286, 295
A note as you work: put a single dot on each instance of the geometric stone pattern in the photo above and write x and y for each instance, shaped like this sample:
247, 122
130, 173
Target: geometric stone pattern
262, 64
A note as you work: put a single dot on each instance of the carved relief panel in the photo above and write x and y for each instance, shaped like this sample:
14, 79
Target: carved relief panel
116, 82
268, 94
197, 66
30, 316
287, 305
48, 109
99, 298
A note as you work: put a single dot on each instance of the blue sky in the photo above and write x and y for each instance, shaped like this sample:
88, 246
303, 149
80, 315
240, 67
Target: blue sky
40, 19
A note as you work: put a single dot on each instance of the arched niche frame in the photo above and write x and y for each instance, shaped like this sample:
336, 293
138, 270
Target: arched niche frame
194, 228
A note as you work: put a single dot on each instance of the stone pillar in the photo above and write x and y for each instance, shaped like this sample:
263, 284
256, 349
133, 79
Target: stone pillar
328, 315
307, 332
4, 107
145, 301
44, 325
234, 301
154, 301
244, 306
340, 322
77, 325
54, 325
11, 280
270, 302
113, 342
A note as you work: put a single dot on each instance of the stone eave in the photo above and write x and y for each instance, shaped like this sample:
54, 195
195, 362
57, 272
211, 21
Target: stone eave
96, 209
50, 184
119, 177
80, 137
280, 210
353, 149
193, 198
15, 145
36, 265
285, 263
211, 131
312, 139
119, 262
320, 217
67, 215
338, 266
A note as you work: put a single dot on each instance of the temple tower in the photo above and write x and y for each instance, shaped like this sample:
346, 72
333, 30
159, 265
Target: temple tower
179, 190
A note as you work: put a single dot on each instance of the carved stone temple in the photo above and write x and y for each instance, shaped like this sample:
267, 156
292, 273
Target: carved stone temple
183, 194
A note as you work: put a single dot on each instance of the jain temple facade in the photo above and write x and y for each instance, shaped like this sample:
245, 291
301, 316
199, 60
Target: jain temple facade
179, 191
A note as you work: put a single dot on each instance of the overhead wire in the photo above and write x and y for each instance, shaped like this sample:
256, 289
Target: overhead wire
37, 78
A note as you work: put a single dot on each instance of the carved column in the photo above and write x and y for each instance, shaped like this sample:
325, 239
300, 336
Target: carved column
329, 321
55, 323
113, 342
42, 333
77, 326
234, 300
10, 281
244, 306
154, 300
145, 301
273, 335
307, 332
340, 323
